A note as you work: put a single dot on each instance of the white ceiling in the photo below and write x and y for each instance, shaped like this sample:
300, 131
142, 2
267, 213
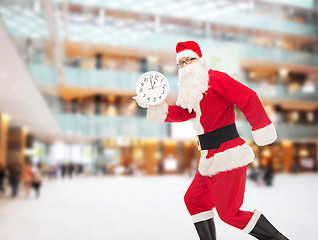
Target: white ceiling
19, 95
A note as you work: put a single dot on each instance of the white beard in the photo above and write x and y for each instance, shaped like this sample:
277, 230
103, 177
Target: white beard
193, 82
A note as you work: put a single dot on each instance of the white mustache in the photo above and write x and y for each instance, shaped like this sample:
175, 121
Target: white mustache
186, 70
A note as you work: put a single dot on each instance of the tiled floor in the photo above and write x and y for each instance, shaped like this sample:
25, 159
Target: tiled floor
148, 208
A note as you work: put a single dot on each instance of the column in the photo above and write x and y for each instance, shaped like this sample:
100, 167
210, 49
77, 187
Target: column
23, 146
4, 124
288, 155
98, 104
152, 156
170, 156
188, 155
18, 141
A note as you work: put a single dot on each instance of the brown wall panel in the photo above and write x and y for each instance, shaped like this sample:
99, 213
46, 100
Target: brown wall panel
288, 155
151, 155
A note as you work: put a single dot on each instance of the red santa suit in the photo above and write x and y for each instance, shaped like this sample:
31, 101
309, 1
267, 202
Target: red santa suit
221, 176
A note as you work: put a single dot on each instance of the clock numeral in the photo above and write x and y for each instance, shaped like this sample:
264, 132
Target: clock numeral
150, 77
148, 99
163, 91
140, 90
144, 95
154, 99
160, 97
164, 86
146, 79
161, 80
142, 84
156, 78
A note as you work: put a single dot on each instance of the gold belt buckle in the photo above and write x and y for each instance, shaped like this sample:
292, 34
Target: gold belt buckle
198, 142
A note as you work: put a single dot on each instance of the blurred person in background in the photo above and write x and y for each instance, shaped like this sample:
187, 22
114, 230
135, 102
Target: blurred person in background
37, 179
2, 177
53, 171
27, 177
15, 172
63, 169
268, 173
254, 172
70, 169
261, 175
79, 169
209, 97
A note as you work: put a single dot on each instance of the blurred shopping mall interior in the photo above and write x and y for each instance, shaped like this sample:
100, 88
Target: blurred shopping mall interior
68, 71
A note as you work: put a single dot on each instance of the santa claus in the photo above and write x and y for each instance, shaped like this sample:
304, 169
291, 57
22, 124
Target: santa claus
208, 97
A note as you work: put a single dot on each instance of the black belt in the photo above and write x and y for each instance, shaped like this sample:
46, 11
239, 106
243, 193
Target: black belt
212, 140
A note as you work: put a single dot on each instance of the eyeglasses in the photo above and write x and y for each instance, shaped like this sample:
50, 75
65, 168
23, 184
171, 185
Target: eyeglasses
185, 62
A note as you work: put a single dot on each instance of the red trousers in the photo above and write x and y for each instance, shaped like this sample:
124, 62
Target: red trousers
224, 191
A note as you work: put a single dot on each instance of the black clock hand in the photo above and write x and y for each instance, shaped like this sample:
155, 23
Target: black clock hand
151, 84
154, 87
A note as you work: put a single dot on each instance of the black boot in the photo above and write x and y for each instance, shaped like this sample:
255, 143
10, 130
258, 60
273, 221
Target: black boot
264, 230
206, 229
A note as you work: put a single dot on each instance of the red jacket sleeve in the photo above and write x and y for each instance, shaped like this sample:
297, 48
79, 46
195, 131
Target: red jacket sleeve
248, 102
179, 114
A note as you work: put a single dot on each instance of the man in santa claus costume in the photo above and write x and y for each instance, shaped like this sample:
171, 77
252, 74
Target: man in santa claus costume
208, 97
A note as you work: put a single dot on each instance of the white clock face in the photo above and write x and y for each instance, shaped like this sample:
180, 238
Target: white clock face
152, 87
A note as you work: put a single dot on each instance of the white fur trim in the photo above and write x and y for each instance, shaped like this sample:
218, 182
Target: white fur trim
265, 135
158, 113
251, 224
227, 160
197, 126
223, 161
202, 216
186, 53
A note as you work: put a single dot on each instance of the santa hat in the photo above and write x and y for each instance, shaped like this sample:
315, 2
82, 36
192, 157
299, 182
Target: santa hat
188, 49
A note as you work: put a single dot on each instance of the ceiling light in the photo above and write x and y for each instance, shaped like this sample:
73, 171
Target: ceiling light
283, 72
252, 74
309, 88
25, 129
5, 117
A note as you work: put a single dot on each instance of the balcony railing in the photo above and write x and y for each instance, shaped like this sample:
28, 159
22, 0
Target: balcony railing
306, 4
147, 37
100, 78
280, 91
110, 126
273, 54
139, 127
211, 12
44, 74
120, 80
213, 47
284, 130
